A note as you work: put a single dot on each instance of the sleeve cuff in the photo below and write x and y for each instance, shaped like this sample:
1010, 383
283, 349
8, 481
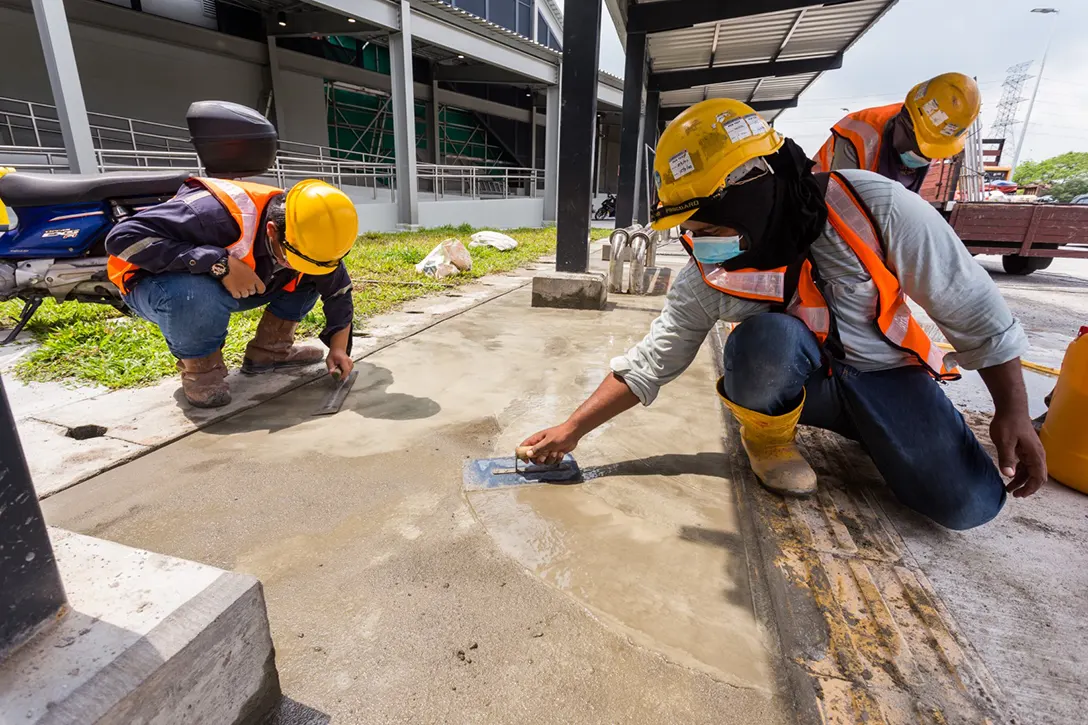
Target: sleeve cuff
199, 260
646, 392
997, 350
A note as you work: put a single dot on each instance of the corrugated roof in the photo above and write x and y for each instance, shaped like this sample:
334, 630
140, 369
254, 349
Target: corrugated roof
800, 34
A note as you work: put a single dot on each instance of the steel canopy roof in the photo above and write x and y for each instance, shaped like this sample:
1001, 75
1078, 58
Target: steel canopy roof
702, 49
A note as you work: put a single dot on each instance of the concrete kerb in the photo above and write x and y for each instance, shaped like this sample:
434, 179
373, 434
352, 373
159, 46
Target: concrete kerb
833, 653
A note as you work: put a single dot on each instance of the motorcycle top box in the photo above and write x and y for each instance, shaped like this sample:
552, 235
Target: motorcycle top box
232, 140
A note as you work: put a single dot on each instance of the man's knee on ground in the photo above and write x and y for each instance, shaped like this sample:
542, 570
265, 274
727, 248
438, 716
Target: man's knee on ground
955, 499
766, 361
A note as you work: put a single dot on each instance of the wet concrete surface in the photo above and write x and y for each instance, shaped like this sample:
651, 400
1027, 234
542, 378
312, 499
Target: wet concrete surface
394, 598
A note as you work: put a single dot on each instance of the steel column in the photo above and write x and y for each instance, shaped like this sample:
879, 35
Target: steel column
31, 592
581, 49
433, 120
551, 153
277, 87
634, 84
60, 62
649, 138
404, 119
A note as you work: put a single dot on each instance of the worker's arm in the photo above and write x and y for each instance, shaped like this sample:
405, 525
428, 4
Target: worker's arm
1020, 454
188, 233
936, 271
691, 310
336, 301
845, 156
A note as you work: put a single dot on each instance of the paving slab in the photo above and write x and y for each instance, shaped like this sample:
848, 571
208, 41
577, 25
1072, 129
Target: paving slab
140, 419
392, 599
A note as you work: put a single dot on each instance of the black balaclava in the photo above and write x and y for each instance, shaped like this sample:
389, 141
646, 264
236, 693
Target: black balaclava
779, 214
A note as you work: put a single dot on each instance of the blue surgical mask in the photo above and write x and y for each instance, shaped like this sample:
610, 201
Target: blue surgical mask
912, 160
715, 250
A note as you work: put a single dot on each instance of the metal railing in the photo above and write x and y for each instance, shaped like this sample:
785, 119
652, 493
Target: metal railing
30, 140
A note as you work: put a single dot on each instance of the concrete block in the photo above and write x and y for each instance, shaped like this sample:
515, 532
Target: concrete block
570, 290
606, 253
656, 280
148, 638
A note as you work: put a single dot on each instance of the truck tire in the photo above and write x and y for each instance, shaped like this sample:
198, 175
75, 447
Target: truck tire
1016, 264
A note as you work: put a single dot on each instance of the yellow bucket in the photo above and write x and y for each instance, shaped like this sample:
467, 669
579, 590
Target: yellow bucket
1065, 432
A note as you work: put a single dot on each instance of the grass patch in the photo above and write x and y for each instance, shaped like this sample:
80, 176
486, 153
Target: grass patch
82, 343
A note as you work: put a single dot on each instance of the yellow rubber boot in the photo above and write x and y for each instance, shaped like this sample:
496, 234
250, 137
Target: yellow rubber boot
772, 450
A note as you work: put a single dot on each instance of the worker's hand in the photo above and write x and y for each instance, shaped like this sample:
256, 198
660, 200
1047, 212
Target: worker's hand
242, 281
339, 364
550, 445
1020, 453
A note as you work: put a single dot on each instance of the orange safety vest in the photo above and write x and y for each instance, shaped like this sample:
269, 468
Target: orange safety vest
245, 201
865, 130
853, 224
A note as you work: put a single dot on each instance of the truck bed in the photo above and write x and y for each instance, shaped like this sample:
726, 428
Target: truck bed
1030, 230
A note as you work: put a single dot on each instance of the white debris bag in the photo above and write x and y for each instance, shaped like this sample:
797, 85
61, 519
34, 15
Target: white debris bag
447, 259
497, 240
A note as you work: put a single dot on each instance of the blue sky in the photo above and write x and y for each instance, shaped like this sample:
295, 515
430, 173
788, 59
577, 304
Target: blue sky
918, 39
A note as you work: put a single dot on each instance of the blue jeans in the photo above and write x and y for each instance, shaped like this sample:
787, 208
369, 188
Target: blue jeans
193, 310
918, 440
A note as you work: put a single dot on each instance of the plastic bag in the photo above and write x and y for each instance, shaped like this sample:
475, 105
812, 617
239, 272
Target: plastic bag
493, 239
445, 260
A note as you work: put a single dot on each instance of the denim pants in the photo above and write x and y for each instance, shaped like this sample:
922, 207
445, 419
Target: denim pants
918, 440
193, 310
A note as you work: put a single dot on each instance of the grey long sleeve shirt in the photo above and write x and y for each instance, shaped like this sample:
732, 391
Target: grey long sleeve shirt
933, 267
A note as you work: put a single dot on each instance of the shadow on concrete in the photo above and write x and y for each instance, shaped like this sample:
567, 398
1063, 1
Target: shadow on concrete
672, 464
293, 712
736, 564
368, 399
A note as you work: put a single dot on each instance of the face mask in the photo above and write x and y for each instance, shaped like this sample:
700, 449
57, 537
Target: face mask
912, 160
715, 250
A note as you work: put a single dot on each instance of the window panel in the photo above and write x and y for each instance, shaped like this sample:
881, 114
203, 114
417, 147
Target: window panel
476, 7
504, 13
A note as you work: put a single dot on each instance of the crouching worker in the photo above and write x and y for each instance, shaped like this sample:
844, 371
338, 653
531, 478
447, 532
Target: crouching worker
220, 247
816, 268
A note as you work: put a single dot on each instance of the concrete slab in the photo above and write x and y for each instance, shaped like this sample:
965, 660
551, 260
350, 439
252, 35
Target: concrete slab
391, 602
146, 638
570, 290
57, 461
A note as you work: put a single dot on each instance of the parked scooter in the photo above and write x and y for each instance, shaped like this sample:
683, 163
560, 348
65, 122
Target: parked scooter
606, 209
55, 246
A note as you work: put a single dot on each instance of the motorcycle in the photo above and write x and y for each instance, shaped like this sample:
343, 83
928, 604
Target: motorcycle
606, 209
56, 245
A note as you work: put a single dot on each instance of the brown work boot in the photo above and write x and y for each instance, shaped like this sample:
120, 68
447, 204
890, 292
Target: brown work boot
273, 347
203, 380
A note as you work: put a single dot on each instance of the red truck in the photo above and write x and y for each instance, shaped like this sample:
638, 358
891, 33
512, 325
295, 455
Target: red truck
1028, 236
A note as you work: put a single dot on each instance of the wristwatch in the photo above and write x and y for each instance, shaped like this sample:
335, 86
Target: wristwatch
220, 268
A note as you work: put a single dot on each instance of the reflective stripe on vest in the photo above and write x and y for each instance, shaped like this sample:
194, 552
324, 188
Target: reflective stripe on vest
854, 226
244, 200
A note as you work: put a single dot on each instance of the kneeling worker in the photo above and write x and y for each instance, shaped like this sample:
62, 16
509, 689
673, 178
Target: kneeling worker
220, 247
816, 268
899, 140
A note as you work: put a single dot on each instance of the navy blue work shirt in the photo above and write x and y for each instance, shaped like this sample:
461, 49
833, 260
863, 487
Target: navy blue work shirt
189, 233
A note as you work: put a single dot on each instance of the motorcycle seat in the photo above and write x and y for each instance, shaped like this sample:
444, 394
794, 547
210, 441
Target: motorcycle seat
19, 189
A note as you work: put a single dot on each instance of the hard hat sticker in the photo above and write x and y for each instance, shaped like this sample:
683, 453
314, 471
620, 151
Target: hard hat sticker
737, 129
921, 92
756, 123
951, 129
938, 117
681, 165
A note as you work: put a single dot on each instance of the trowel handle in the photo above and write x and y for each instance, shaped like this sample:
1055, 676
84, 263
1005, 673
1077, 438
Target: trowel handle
522, 453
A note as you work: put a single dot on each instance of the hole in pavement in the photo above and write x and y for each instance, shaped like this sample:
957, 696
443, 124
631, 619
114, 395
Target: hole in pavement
84, 432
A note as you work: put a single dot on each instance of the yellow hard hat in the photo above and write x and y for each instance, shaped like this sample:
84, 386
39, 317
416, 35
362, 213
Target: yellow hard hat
942, 109
322, 225
700, 149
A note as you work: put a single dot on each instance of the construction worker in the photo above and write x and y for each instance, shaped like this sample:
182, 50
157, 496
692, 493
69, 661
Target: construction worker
899, 140
816, 268
220, 247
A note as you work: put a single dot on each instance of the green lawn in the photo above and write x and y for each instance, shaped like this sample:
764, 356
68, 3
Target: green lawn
82, 343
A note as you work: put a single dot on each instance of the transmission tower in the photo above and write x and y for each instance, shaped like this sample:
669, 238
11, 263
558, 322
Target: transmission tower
1005, 122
